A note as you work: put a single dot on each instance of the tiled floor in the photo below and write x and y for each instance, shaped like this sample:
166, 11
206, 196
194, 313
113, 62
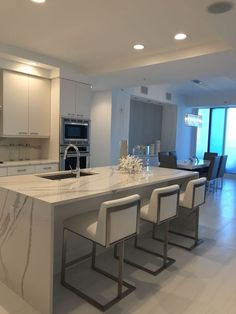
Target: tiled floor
200, 282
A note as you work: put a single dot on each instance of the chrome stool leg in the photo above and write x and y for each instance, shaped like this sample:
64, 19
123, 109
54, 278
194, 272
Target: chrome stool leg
195, 238
120, 282
167, 261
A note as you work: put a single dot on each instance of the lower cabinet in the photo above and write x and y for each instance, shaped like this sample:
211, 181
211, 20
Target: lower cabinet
19, 170
28, 169
46, 168
3, 172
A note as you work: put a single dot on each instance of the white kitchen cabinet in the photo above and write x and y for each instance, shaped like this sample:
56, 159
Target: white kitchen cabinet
67, 98
75, 100
19, 170
15, 104
46, 168
25, 105
83, 100
39, 106
3, 172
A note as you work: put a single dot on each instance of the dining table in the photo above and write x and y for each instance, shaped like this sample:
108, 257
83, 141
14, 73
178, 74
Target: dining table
193, 164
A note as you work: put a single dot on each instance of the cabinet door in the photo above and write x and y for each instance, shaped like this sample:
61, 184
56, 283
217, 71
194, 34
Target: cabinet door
83, 100
67, 98
15, 104
46, 168
20, 170
39, 107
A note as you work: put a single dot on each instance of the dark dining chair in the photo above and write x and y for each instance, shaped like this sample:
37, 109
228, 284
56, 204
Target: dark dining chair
160, 154
221, 171
173, 153
212, 173
168, 161
209, 155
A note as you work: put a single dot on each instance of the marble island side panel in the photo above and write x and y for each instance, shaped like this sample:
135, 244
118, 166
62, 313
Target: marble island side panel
26, 248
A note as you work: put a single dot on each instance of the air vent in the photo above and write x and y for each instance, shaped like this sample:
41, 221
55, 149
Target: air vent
144, 90
168, 96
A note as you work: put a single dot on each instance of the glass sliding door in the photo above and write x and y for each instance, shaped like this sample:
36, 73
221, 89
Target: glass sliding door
202, 133
217, 130
230, 140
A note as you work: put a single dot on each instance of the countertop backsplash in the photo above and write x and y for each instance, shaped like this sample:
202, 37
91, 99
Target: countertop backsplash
14, 149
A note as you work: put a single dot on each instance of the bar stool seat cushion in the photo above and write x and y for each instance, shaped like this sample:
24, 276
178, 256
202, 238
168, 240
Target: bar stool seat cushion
84, 224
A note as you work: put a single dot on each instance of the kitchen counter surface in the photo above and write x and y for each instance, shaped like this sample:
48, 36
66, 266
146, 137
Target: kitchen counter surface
27, 162
104, 181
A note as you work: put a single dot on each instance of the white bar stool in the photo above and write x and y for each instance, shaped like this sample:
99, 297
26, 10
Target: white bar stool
193, 197
116, 221
163, 207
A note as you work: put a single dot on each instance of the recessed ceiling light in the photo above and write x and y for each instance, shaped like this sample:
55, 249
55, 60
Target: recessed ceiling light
180, 36
220, 7
38, 1
138, 47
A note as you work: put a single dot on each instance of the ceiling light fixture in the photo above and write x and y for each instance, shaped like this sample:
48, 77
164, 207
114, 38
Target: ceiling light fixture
138, 47
180, 36
38, 1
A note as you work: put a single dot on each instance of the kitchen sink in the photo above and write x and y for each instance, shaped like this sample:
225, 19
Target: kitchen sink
61, 176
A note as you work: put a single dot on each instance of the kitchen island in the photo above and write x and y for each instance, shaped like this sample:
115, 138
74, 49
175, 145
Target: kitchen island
32, 211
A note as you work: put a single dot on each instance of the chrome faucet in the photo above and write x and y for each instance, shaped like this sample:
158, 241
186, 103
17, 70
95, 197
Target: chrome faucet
77, 169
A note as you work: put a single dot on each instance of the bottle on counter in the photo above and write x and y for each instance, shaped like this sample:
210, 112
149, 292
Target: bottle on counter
21, 150
27, 151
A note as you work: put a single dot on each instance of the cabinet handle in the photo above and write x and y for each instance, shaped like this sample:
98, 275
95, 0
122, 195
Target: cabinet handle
22, 133
34, 133
47, 168
21, 170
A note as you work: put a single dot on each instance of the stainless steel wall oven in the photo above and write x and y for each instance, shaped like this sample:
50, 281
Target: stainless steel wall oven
77, 132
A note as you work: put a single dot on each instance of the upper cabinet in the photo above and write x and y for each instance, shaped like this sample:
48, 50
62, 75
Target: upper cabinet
15, 104
75, 100
25, 110
39, 106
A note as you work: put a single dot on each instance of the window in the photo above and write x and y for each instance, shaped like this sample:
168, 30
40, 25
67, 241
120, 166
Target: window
230, 140
218, 134
202, 133
217, 130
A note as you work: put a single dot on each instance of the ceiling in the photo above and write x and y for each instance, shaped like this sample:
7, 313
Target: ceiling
98, 36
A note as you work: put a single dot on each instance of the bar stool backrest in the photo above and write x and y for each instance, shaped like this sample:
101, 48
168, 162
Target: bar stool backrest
118, 219
195, 193
163, 204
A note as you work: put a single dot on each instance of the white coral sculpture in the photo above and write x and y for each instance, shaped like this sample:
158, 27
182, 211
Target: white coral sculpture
130, 164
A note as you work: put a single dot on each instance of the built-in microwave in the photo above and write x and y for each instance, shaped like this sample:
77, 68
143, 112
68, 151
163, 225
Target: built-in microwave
74, 131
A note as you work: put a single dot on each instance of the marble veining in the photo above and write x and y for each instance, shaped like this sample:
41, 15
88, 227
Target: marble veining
9, 225
23, 223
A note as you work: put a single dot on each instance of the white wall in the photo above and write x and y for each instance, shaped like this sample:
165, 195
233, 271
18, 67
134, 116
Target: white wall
185, 140
101, 129
50, 147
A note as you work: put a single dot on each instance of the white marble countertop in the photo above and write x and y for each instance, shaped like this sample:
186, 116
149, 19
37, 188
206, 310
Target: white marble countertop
27, 162
105, 181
